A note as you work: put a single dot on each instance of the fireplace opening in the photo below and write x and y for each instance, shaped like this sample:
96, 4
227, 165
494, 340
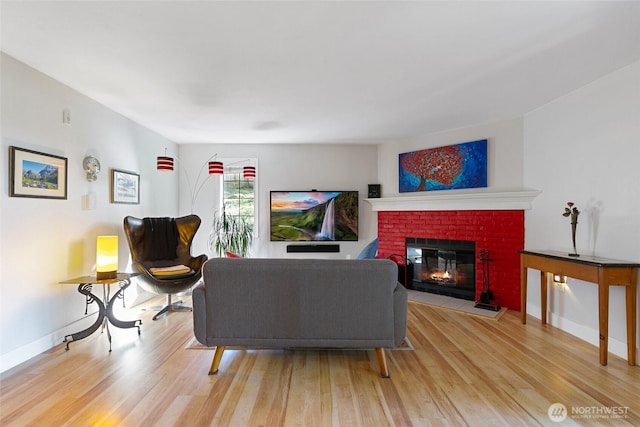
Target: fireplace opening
441, 266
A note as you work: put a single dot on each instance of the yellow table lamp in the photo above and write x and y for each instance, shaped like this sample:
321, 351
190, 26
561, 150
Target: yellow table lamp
106, 257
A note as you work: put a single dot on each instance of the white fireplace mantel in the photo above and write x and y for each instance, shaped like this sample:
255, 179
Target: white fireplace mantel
457, 200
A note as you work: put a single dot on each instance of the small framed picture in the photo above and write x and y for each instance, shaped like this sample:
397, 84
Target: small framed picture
35, 174
125, 187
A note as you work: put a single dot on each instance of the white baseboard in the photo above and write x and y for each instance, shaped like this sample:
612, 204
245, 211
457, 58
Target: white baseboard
32, 349
590, 335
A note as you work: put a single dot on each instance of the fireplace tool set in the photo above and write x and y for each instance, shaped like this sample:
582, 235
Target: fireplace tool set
486, 296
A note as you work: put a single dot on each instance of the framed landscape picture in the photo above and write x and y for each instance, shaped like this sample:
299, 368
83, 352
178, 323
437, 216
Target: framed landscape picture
35, 174
125, 187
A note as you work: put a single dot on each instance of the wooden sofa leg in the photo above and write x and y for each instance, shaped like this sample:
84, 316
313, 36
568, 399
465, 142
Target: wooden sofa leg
217, 356
382, 362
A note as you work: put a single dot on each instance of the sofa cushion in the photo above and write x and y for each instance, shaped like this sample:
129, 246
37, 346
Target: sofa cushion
232, 255
370, 251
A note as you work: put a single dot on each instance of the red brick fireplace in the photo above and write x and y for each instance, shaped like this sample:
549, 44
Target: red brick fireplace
501, 232
493, 218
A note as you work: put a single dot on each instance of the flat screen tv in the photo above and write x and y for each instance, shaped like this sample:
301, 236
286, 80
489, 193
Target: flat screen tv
314, 216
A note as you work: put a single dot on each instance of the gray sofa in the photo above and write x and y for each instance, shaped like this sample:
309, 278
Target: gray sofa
300, 303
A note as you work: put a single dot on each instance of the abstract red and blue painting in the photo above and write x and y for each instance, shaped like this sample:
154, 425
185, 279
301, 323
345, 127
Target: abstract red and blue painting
444, 168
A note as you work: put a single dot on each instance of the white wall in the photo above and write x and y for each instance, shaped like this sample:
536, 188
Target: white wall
585, 148
504, 153
289, 167
45, 241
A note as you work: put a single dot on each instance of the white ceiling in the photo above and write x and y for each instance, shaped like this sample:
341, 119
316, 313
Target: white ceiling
332, 71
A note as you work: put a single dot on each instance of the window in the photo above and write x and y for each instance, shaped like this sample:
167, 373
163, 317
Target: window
238, 195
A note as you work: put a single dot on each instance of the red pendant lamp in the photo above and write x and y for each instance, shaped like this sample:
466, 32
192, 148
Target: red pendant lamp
164, 163
216, 168
249, 172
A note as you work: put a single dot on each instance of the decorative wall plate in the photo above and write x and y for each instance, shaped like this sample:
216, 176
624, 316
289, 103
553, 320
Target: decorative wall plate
91, 166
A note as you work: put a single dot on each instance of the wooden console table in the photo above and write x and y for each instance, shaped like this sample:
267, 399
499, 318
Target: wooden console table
604, 272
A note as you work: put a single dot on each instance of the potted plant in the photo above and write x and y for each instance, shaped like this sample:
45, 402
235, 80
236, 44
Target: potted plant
230, 233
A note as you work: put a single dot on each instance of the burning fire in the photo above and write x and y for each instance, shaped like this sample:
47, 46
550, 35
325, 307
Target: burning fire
440, 276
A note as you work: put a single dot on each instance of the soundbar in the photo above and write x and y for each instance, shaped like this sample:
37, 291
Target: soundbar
313, 248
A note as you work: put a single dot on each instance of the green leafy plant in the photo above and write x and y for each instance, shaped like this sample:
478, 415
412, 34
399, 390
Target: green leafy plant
230, 234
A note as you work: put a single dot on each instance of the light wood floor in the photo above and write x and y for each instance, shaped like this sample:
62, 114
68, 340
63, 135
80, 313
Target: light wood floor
463, 371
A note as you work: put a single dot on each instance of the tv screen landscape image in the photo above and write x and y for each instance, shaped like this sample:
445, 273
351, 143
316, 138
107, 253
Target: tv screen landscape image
314, 216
